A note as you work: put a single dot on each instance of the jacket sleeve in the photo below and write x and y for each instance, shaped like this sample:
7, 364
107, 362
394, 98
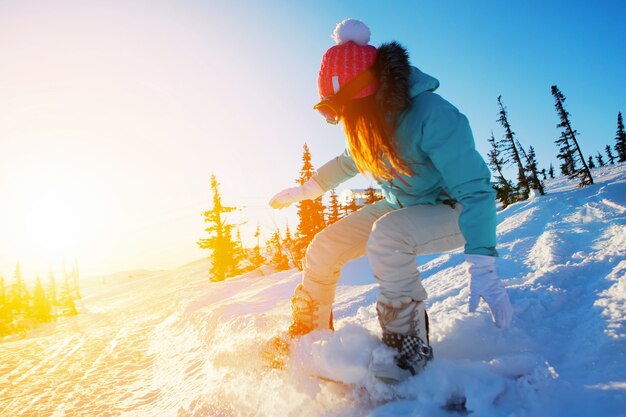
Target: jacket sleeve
336, 171
448, 141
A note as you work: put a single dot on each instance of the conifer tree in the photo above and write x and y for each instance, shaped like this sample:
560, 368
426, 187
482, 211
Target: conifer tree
52, 288
609, 154
370, 195
290, 249
220, 240
68, 284
544, 174
5, 316
3, 292
531, 167
334, 208
512, 153
310, 212
278, 258
256, 259
566, 154
41, 311
351, 207
600, 159
75, 281
504, 189
20, 298
620, 139
569, 142
551, 171
590, 163
67, 296
239, 253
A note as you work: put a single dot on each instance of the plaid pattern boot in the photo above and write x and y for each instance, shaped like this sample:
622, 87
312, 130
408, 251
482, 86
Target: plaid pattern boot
405, 329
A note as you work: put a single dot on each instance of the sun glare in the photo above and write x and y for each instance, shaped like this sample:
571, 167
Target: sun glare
43, 225
51, 224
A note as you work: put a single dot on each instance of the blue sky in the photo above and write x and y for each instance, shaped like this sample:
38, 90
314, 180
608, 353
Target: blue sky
480, 50
114, 115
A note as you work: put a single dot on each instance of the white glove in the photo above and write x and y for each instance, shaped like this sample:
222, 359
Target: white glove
484, 282
310, 190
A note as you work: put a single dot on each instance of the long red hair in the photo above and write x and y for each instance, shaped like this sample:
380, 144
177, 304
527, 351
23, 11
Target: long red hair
370, 139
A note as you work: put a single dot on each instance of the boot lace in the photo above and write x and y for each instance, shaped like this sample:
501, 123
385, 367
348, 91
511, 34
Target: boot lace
304, 314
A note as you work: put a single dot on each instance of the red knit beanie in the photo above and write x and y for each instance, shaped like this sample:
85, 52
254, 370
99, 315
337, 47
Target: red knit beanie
351, 56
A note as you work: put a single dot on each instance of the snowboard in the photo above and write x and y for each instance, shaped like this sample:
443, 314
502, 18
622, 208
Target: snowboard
276, 355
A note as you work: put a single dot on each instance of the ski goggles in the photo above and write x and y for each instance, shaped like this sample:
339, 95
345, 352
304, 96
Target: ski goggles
331, 108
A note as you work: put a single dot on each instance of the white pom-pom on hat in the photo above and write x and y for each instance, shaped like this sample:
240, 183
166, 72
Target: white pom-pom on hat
351, 30
351, 56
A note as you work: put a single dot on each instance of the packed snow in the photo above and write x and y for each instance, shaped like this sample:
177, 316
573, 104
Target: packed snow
173, 344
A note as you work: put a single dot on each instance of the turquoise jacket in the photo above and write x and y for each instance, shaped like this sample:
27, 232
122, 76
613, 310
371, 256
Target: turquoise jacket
435, 139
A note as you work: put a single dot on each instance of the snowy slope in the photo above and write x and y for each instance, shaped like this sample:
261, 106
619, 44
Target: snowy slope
172, 344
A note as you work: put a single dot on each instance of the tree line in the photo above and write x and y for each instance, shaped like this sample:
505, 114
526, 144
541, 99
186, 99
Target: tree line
509, 151
283, 249
22, 310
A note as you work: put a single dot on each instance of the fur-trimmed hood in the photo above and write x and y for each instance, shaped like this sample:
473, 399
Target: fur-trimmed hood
399, 82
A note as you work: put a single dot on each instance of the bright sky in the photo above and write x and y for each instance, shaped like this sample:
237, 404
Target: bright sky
113, 115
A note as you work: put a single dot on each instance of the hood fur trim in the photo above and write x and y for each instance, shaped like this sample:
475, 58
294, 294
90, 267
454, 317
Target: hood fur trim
394, 73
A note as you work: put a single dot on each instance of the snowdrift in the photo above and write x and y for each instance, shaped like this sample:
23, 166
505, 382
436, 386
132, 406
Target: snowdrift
173, 344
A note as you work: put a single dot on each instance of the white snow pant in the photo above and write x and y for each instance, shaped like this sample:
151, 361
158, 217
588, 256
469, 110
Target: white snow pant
391, 238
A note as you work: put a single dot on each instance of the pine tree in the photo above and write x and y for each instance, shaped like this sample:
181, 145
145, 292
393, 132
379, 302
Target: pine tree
370, 195
351, 207
566, 153
620, 139
512, 153
220, 240
569, 142
600, 159
551, 171
278, 258
68, 284
67, 296
41, 305
71, 282
590, 163
289, 248
569, 166
5, 314
20, 298
52, 293
256, 259
531, 168
76, 276
310, 212
504, 189
565, 168
239, 252
543, 174
334, 209
609, 154
52, 287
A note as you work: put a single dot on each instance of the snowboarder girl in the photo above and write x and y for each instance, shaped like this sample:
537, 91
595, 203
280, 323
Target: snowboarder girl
438, 196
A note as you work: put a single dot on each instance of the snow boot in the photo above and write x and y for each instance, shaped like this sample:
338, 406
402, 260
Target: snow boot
405, 329
308, 314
